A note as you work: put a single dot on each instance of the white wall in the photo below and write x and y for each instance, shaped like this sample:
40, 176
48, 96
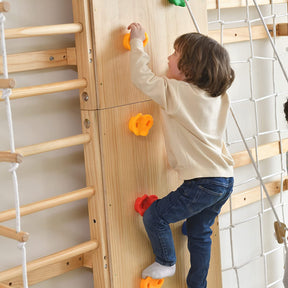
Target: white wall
36, 120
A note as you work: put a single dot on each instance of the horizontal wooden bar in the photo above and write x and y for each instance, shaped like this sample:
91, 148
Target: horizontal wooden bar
64, 255
213, 4
46, 89
4, 6
13, 234
48, 272
238, 34
282, 29
2, 285
54, 145
253, 195
11, 157
7, 83
39, 60
264, 151
47, 30
48, 203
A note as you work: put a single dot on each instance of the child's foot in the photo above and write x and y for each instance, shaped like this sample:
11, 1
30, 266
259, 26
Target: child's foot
158, 271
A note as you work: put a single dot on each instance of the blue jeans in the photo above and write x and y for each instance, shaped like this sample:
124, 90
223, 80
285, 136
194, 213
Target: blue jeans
199, 201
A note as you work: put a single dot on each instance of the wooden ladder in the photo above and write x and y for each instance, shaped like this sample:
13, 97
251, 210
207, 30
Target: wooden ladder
93, 253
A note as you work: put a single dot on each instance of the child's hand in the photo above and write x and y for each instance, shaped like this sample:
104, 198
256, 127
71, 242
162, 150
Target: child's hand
137, 31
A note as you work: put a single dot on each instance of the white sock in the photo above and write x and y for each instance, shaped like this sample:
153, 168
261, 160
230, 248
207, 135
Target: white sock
158, 271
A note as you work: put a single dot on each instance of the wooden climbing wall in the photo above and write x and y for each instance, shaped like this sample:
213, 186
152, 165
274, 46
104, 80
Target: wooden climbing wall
132, 165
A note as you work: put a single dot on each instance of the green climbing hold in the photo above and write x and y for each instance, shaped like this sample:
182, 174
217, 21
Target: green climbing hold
178, 2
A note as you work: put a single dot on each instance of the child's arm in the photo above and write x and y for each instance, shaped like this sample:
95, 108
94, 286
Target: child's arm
141, 75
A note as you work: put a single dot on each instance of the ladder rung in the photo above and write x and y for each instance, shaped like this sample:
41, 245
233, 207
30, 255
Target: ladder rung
213, 4
47, 88
11, 157
252, 195
48, 203
37, 60
54, 145
64, 255
13, 234
7, 83
264, 151
4, 6
43, 30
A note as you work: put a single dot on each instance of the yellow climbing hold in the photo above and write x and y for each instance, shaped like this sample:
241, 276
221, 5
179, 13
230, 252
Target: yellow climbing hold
141, 124
151, 283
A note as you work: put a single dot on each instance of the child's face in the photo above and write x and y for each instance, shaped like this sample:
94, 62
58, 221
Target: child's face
173, 71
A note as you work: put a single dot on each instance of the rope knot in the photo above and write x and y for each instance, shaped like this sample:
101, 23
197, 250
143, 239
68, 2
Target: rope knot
6, 93
21, 245
14, 167
2, 18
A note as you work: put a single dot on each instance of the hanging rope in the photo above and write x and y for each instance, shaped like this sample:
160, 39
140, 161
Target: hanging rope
6, 96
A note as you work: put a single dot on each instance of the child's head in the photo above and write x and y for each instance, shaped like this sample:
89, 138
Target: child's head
204, 63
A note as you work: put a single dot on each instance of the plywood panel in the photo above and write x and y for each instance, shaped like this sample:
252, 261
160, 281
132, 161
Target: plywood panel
163, 23
136, 166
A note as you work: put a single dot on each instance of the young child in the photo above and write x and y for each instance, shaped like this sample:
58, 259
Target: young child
194, 109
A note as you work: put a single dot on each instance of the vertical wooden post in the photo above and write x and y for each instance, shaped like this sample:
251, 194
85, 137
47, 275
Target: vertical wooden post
96, 203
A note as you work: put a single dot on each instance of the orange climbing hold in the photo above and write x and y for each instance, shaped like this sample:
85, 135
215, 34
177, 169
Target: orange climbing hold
141, 124
151, 283
126, 41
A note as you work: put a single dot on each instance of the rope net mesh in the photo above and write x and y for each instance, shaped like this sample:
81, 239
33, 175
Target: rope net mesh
250, 254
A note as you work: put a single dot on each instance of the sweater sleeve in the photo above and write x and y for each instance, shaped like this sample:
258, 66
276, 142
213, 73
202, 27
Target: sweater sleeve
144, 79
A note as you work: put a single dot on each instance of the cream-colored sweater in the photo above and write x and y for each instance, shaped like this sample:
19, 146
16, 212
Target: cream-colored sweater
194, 123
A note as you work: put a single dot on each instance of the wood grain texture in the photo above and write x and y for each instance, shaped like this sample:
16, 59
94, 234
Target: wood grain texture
112, 59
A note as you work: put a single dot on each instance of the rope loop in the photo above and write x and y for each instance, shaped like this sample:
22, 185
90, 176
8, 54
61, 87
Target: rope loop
14, 167
21, 245
2, 18
6, 93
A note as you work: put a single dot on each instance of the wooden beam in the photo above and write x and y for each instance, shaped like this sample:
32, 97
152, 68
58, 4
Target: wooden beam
47, 30
54, 145
11, 157
65, 255
2, 285
264, 151
253, 195
48, 203
240, 34
212, 4
282, 29
39, 60
48, 272
13, 234
46, 89
4, 6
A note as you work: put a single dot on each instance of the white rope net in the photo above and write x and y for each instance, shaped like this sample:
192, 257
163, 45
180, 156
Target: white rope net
5, 95
255, 259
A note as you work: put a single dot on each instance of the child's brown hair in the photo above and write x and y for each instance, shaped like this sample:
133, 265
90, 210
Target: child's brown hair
205, 63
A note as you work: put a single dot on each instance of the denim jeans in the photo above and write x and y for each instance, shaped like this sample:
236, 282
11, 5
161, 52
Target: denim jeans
199, 201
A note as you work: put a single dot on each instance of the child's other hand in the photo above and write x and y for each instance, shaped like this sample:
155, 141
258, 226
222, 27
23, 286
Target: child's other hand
137, 31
